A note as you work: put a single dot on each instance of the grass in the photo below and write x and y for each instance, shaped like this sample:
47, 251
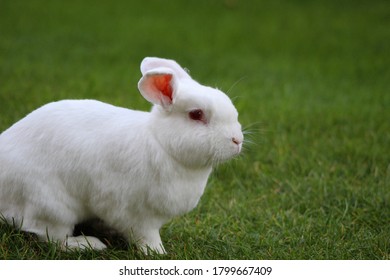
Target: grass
309, 78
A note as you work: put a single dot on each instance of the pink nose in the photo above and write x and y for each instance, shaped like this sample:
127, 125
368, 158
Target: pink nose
236, 141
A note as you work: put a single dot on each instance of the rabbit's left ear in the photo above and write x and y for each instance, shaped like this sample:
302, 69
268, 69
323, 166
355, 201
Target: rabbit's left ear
158, 86
151, 63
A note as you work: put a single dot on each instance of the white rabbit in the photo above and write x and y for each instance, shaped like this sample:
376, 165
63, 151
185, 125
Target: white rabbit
73, 160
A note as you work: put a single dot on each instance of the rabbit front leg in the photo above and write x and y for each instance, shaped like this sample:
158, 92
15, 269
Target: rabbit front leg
149, 241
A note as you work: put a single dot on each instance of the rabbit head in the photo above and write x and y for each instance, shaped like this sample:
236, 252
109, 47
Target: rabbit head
195, 124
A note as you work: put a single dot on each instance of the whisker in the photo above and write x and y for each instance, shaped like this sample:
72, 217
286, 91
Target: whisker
235, 83
252, 136
251, 125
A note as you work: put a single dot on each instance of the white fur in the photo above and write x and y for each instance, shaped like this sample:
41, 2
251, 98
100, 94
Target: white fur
73, 160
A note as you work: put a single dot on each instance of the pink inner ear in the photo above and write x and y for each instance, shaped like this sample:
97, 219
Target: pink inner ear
163, 84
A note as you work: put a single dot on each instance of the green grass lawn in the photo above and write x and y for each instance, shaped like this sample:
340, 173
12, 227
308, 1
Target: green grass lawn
310, 80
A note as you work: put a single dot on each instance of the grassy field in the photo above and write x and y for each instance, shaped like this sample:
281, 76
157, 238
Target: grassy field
310, 80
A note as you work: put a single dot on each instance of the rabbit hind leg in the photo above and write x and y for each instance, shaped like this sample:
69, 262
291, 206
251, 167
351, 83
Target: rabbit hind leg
83, 242
62, 234
67, 241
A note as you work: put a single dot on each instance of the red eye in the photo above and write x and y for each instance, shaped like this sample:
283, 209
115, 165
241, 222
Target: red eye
197, 115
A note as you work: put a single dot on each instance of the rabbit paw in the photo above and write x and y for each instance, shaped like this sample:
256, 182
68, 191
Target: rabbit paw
157, 249
150, 243
83, 242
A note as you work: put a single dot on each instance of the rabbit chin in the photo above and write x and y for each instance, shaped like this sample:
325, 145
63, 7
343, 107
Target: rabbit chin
200, 159
221, 157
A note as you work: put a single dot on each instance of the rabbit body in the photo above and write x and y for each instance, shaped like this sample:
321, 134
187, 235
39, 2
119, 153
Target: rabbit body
73, 160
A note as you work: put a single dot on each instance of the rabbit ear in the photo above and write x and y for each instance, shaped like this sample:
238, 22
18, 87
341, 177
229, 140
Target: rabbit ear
150, 63
158, 86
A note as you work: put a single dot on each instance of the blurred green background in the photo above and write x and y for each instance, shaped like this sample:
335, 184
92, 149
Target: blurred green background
310, 80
